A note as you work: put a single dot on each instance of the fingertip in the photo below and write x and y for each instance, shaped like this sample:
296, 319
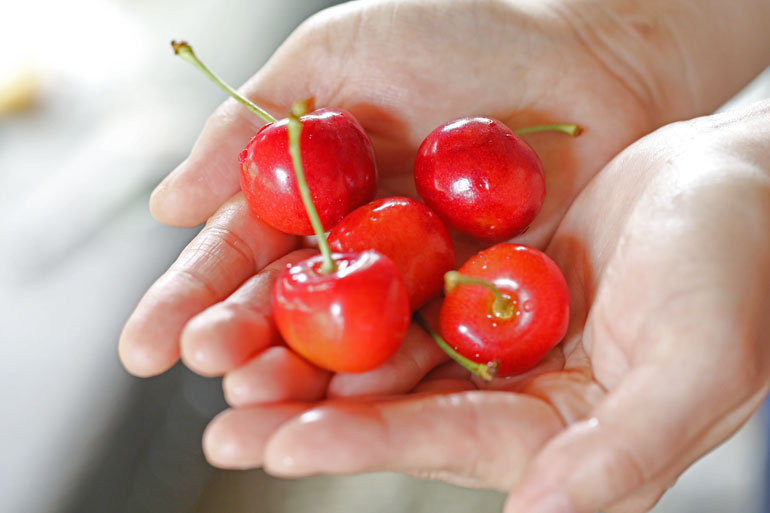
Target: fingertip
276, 374
143, 358
236, 438
210, 175
175, 203
329, 440
159, 201
223, 446
221, 338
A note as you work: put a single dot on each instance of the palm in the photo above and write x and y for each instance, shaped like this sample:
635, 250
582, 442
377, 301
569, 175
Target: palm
626, 252
661, 297
378, 60
399, 95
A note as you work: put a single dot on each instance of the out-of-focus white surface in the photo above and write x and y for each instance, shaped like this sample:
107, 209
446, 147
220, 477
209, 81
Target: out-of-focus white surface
115, 111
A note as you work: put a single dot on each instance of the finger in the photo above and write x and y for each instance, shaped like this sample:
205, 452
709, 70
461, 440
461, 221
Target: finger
414, 359
211, 173
298, 69
644, 498
229, 249
484, 438
276, 374
444, 386
695, 346
228, 333
644, 427
235, 439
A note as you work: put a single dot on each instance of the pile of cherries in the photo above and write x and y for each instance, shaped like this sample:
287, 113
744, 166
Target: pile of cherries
348, 308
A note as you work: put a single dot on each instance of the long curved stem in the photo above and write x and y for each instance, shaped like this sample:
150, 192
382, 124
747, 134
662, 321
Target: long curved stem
295, 131
565, 128
185, 51
484, 371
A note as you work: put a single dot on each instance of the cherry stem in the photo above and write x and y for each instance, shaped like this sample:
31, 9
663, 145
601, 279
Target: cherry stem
294, 128
565, 128
502, 307
185, 51
485, 371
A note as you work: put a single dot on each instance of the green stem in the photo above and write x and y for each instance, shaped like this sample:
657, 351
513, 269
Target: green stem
565, 128
295, 131
185, 51
484, 371
502, 307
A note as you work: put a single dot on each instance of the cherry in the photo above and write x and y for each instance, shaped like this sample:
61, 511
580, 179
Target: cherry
336, 152
506, 307
481, 177
340, 163
350, 320
410, 234
346, 312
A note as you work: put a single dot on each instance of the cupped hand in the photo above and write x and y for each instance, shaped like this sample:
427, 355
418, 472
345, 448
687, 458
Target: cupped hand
402, 68
668, 261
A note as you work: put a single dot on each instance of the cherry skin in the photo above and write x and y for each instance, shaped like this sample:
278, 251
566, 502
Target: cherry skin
407, 232
350, 320
346, 312
481, 178
339, 165
519, 333
337, 155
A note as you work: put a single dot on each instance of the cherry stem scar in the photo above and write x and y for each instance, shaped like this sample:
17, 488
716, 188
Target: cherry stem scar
502, 307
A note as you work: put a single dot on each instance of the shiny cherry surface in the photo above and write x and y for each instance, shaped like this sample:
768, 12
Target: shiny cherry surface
407, 232
350, 320
339, 167
540, 317
481, 178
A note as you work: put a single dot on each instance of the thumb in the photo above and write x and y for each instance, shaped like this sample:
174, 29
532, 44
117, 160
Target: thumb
633, 447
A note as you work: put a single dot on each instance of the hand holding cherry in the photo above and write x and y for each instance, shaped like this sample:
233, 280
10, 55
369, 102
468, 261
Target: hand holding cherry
214, 272
212, 304
583, 383
612, 417
346, 312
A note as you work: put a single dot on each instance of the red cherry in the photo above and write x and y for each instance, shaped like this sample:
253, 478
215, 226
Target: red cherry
481, 178
345, 312
350, 320
516, 328
337, 154
339, 164
407, 232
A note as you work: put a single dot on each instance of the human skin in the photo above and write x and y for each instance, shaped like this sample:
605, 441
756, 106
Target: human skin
619, 68
667, 354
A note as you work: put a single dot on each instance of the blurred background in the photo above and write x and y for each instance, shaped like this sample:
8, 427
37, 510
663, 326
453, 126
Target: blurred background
94, 111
